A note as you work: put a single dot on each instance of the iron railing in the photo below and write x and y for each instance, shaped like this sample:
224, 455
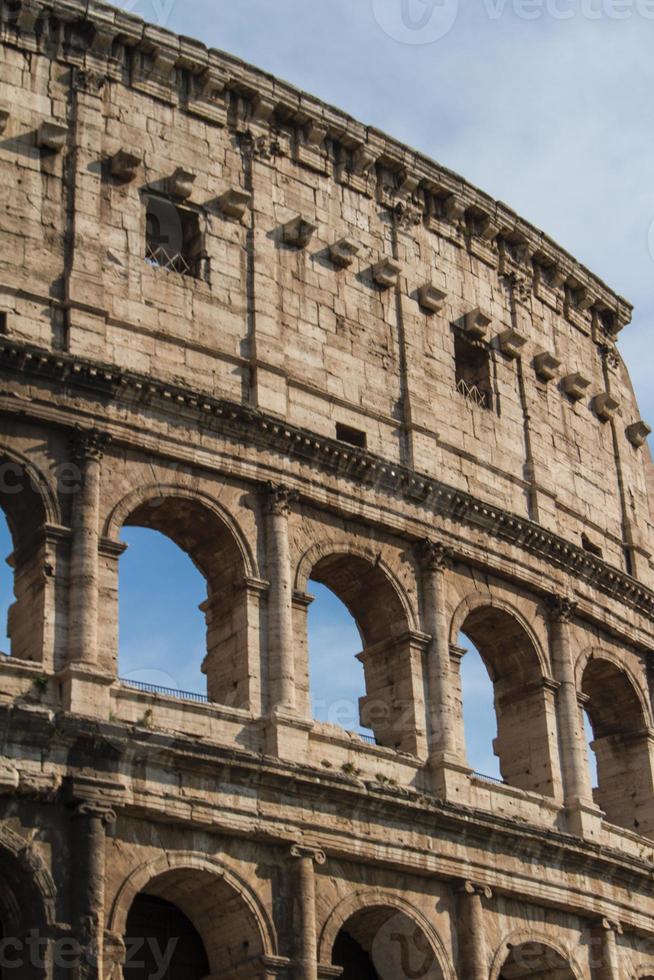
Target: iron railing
171, 261
472, 393
368, 739
168, 691
489, 779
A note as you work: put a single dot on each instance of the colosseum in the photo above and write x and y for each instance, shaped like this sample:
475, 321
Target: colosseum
303, 352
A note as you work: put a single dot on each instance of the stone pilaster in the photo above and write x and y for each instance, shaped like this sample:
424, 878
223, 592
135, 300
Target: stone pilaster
280, 599
304, 910
90, 821
471, 931
577, 792
604, 953
88, 449
434, 560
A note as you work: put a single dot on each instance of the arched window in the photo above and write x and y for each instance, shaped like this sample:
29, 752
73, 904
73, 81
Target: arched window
479, 720
211, 574
524, 705
23, 593
6, 582
625, 790
336, 676
162, 631
393, 704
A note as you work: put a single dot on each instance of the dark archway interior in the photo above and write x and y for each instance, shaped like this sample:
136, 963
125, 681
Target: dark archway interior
356, 962
383, 943
162, 942
219, 930
535, 960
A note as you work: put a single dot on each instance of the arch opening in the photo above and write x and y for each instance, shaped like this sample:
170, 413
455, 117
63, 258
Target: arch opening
384, 943
22, 538
625, 791
479, 718
209, 575
191, 923
536, 959
22, 908
523, 705
336, 677
392, 706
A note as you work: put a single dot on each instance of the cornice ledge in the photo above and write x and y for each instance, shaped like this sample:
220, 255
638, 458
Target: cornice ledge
245, 423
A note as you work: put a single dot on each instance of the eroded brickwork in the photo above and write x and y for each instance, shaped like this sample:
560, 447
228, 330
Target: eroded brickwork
234, 315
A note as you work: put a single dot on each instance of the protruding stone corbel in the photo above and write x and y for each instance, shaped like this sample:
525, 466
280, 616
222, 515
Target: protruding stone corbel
181, 184
476, 324
4, 119
605, 406
125, 164
575, 386
637, 433
386, 273
431, 299
310, 148
262, 109
206, 95
546, 366
103, 40
234, 203
344, 252
510, 342
27, 15
298, 232
363, 160
52, 136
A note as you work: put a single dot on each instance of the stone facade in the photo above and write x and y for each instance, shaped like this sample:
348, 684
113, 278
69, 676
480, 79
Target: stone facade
234, 315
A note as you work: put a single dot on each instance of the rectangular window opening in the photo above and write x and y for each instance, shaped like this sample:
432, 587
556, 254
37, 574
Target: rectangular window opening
354, 437
473, 371
4, 327
173, 238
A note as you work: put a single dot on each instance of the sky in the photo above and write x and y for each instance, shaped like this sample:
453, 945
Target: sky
545, 104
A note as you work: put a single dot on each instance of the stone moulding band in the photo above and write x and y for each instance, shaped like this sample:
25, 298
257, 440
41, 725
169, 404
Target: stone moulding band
122, 44
246, 424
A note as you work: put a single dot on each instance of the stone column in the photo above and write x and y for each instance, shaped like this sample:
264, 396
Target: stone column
604, 955
575, 775
88, 449
471, 932
434, 560
304, 910
90, 822
281, 655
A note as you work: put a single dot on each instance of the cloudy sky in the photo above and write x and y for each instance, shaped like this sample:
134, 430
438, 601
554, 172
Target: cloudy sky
546, 104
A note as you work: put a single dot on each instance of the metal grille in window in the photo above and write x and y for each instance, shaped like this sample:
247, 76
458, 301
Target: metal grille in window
173, 238
473, 394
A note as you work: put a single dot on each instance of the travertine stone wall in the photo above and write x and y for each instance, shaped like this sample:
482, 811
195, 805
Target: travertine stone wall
290, 408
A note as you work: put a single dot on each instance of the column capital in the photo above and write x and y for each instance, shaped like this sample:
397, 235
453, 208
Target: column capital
608, 925
562, 608
472, 888
457, 653
317, 855
89, 444
279, 498
433, 556
98, 810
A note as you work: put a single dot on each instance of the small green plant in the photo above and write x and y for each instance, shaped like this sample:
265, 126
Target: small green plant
41, 683
146, 720
350, 770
